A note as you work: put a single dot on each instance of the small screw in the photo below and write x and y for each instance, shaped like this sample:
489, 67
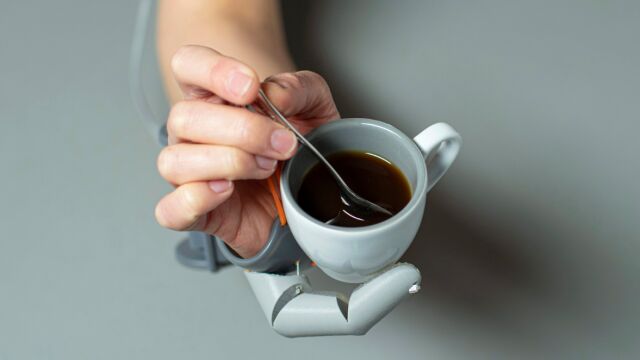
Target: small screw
298, 289
414, 289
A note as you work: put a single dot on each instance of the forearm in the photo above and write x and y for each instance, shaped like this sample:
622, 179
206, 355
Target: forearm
249, 30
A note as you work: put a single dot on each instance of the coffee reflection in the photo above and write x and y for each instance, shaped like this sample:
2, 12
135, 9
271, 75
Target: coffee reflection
368, 175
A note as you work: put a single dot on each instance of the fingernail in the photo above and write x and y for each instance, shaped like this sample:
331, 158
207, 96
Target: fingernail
219, 186
239, 82
283, 141
265, 163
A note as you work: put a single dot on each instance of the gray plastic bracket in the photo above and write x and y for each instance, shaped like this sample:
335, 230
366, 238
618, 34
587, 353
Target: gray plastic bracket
199, 251
294, 310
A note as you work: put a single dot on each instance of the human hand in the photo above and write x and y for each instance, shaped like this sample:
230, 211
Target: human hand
219, 152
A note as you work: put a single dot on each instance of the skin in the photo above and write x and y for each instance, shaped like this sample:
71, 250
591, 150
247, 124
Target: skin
248, 30
220, 153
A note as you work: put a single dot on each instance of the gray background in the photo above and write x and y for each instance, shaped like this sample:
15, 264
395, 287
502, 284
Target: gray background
529, 247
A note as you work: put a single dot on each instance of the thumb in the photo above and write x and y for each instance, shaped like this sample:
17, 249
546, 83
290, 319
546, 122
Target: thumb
301, 95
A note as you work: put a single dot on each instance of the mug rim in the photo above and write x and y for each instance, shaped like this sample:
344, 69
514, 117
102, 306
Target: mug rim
421, 177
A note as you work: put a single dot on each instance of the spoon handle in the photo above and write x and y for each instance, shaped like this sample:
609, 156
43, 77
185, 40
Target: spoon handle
275, 114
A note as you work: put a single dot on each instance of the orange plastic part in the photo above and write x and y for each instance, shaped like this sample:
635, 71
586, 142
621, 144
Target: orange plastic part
274, 188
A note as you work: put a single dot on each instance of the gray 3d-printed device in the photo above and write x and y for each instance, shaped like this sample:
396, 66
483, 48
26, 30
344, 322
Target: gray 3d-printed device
287, 298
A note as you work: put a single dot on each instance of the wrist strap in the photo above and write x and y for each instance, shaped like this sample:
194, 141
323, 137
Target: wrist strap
281, 254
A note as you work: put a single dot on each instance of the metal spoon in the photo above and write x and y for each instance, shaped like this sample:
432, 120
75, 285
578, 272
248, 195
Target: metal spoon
348, 196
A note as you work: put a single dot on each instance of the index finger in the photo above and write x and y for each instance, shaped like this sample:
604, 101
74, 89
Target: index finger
204, 68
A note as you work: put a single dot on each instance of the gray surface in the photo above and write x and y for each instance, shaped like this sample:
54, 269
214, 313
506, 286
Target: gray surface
530, 244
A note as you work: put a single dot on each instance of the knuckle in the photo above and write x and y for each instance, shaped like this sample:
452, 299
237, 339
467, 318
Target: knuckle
247, 132
293, 79
311, 78
181, 57
165, 216
242, 128
179, 118
312, 75
238, 163
318, 85
166, 161
217, 69
229, 164
161, 216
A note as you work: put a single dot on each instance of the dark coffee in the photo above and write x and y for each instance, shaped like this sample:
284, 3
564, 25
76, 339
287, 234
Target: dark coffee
370, 176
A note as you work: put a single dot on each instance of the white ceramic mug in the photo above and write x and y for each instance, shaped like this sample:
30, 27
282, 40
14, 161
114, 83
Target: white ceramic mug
355, 254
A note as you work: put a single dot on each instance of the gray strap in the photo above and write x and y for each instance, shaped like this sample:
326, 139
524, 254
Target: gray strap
281, 254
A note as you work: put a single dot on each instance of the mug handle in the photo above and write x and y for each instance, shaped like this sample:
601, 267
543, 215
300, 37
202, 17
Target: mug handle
440, 145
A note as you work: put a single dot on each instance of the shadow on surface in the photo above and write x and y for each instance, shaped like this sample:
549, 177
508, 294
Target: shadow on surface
470, 269
467, 264
459, 260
